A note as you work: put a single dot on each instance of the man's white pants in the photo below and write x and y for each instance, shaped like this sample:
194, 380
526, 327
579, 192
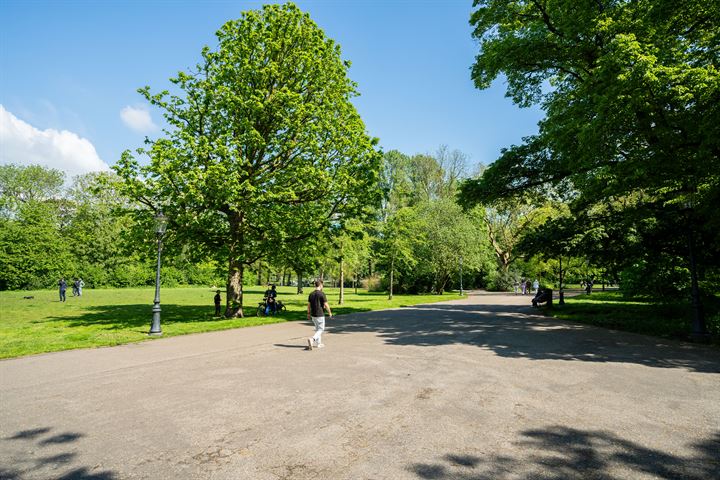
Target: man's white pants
319, 329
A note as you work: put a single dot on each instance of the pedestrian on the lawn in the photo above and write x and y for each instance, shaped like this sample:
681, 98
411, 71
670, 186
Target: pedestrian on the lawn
62, 285
217, 301
317, 304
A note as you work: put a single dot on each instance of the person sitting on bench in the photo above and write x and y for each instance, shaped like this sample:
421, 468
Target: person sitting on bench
543, 295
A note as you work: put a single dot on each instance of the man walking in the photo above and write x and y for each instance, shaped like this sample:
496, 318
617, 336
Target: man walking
317, 303
62, 285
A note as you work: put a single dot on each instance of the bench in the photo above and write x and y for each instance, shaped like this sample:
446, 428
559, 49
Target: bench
543, 295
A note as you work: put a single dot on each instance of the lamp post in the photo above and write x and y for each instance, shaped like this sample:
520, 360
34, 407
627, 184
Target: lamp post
160, 226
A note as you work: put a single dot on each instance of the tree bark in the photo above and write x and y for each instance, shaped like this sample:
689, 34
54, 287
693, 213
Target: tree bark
562, 292
234, 290
392, 268
699, 329
299, 283
236, 266
341, 300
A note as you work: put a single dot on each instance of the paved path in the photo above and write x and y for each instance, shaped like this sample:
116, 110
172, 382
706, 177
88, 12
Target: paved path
480, 388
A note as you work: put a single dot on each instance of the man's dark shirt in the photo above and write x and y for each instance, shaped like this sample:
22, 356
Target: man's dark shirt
217, 299
317, 299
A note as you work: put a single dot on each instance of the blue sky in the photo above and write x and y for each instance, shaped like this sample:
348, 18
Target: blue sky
69, 68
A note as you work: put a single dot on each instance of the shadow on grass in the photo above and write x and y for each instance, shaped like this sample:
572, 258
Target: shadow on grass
662, 320
139, 316
519, 332
41, 462
639, 315
556, 453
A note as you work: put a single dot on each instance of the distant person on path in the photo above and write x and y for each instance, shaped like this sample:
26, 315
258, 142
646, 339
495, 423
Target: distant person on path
536, 285
517, 286
317, 304
588, 288
81, 284
217, 303
523, 287
528, 285
75, 286
62, 285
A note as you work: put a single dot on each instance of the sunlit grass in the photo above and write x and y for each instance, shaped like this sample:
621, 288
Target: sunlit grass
107, 317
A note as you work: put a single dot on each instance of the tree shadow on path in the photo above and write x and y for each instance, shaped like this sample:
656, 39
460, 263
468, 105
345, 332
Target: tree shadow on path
559, 453
519, 332
39, 457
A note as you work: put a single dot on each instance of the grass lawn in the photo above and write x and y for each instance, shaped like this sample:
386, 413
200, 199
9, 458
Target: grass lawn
612, 310
105, 317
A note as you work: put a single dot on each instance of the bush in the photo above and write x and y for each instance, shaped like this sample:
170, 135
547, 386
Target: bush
374, 284
501, 281
660, 279
95, 276
172, 276
133, 275
206, 273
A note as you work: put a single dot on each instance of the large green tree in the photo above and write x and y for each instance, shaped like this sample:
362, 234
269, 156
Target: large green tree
451, 238
20, 184
402, 236
264, 145
631, 91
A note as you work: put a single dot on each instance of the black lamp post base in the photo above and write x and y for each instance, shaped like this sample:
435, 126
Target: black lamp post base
155, 329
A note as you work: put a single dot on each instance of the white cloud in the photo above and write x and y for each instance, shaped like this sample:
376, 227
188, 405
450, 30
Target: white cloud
23, 144
138, 118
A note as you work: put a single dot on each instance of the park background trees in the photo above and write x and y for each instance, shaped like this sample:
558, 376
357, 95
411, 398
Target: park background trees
265, 168
630, 91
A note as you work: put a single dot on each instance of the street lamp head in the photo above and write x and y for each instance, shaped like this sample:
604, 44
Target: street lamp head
160, 223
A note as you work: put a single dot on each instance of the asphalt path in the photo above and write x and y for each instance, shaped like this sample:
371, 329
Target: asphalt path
479, 388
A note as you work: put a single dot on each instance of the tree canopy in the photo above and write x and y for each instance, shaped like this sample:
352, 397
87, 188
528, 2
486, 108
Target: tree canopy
264, 144
631, 92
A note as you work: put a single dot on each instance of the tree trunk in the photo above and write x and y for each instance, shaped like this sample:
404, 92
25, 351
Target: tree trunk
355, 283
699, 329
562, 292
259, 273
341, 300
443, 281
299, 283
392, 268
234, 290
236, 266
